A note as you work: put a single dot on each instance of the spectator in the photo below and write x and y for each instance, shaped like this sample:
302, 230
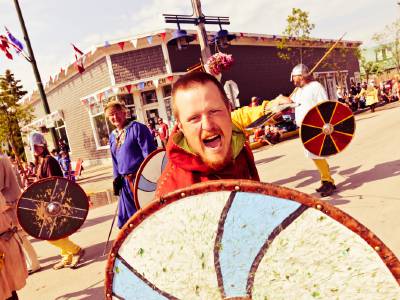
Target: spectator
163, 132
153, 131
65, 163
55, 154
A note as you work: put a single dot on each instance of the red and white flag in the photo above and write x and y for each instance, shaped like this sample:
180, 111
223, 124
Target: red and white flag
78, 59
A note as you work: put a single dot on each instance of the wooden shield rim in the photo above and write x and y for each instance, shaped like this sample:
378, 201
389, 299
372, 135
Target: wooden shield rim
48, 179
139, 173
387, 256
351, 113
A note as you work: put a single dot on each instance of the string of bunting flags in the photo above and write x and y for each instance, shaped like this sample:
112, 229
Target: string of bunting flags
128, 88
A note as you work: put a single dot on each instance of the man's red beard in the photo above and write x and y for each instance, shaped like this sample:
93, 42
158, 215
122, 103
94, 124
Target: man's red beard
218, 165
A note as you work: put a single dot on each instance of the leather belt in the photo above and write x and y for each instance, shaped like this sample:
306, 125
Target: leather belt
131, 180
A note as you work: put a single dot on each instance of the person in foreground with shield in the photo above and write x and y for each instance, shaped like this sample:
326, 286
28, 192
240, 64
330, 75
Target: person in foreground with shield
130, 143
208, 142
13, 270
11, 191
309, 93
47, 166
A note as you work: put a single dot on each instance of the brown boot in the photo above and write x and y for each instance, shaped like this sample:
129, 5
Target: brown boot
327, 189
76, 258
321, 186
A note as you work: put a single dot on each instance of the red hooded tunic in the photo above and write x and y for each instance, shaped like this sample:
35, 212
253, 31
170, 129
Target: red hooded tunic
185, 168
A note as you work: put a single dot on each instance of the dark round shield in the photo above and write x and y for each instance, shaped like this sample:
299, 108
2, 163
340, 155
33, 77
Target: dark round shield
146, 177
52, 208
238, 239
327, 128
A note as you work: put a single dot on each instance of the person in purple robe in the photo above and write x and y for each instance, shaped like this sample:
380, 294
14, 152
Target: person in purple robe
130, 143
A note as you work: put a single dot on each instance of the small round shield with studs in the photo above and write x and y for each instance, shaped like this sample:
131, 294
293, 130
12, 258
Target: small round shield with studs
52, 208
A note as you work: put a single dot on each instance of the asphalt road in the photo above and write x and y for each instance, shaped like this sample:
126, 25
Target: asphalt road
367, 175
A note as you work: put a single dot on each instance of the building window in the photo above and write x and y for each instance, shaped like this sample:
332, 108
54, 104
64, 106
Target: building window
61, 132
130, 105
149, 97
101, 126
166, 89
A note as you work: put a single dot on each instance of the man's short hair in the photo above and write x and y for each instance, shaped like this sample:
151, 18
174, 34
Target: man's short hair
192, 79
114, 104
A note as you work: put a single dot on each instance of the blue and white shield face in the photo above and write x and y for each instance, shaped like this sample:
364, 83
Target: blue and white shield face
148, 174
269, 244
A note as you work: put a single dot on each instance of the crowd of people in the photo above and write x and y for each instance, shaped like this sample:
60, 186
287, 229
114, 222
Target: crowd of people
369, 94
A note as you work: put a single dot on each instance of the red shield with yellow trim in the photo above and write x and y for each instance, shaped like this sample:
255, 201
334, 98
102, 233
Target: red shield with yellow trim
327, 128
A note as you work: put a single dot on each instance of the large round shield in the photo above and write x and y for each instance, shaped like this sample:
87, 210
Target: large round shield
238, 239
146, 177
52, 208
327, 128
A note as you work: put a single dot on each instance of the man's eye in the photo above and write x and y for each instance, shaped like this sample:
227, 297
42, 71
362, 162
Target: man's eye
194, 119
214, 111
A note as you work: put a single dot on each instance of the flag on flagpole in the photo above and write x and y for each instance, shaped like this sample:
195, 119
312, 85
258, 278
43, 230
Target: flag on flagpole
16, 43
78, 59
4, 45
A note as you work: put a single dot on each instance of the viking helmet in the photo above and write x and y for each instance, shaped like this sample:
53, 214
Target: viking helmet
300, 69
37, 139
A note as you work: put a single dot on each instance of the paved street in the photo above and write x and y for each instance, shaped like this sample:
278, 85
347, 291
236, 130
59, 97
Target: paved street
367, 175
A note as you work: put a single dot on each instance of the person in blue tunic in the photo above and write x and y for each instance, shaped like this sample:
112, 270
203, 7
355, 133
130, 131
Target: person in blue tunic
130, 143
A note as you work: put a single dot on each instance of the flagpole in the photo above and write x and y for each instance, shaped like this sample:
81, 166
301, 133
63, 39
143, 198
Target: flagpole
35, 69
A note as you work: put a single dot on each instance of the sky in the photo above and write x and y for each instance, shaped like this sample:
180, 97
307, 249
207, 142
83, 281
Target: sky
54, 24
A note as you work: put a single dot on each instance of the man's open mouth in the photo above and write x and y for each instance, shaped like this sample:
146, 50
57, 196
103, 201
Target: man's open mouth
212, 141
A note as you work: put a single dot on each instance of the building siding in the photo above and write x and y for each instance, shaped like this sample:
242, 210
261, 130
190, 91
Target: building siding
258, 71
138, 64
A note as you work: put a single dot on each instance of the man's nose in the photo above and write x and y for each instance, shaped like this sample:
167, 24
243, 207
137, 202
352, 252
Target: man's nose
207, 123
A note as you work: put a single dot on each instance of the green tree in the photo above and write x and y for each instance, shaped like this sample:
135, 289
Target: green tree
369, 68
389, 40
12, 113
298, 29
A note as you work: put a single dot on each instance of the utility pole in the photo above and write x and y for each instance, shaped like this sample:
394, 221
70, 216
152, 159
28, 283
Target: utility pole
201, 31
35, 68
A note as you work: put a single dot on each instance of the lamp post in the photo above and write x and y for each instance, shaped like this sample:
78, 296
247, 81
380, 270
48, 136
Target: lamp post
198, 19
35, 68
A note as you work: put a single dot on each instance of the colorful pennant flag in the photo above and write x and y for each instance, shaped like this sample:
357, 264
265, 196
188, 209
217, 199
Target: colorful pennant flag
128, 88
149, 39
140, 85
134, 42
170, 78
17, 44
163, 34
121, 45
4, 45
78, 59
155, 82
106, 44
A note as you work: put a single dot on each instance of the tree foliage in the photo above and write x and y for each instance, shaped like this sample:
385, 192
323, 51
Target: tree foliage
389, 40
370, 68
12, 113
298, 29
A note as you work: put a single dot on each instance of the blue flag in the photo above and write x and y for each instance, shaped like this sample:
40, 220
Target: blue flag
15, 41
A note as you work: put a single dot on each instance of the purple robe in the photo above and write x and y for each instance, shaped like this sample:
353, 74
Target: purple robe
136, 142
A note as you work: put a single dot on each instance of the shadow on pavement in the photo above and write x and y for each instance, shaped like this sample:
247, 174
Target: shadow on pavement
94, 253
268, 159
86, 294
308, 176
378, 172
96, 221
94, 178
